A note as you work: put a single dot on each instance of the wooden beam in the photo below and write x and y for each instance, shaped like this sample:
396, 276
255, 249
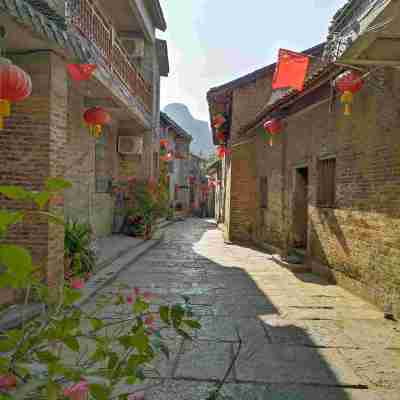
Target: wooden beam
384, 63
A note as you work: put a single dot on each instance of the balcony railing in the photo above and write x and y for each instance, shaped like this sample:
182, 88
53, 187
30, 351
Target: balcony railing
90, 21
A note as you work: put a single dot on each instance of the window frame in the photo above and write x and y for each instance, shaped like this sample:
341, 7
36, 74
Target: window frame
264, 192
326, 175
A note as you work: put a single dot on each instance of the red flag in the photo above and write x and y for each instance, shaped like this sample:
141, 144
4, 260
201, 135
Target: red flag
291, 70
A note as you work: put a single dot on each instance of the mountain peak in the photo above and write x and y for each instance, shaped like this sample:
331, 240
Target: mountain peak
202, 142
177, 108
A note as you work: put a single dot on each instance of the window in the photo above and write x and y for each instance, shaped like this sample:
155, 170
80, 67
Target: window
264, 192
326, 182
155, 162
102, 165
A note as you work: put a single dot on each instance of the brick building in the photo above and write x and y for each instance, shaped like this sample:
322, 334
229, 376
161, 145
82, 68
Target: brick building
328, 189
179, 164
46, 135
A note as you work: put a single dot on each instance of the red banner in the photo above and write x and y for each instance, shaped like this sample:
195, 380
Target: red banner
291, 70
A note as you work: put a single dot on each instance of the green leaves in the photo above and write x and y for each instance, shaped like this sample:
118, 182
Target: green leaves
177, 314
140, 306
46, 357
8, 218
100, 392
41, 198
164, 314
57, 184
18, 263
191, 323
72, 343
97, 324
15, 192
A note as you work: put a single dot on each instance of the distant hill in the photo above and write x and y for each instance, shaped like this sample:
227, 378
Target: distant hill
200, 131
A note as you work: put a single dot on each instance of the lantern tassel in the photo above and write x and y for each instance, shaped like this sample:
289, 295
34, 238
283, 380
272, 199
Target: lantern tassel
347, 100
271, 141
5, 111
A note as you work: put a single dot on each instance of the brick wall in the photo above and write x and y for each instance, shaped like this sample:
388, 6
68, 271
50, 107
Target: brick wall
32, 148
248, 101
269, 226
357, 241
243, 193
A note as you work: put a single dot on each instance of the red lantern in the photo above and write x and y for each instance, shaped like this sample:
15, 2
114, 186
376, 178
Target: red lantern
348, 83
222, 152
15, 85
81, 72
218, 121
95, 118
273, 127
221, 136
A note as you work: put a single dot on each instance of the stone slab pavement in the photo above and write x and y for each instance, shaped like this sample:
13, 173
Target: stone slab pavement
302, 338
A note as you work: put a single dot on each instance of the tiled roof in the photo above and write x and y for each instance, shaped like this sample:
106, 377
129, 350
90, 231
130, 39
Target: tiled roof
323, 72
251, 77
179, 130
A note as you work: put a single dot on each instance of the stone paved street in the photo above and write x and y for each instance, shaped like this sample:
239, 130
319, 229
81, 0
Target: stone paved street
302, 338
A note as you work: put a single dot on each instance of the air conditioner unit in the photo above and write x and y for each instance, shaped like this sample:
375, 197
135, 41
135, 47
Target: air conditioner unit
130, 145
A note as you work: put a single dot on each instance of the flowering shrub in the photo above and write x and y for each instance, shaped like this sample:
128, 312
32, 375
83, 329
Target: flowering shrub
69, 353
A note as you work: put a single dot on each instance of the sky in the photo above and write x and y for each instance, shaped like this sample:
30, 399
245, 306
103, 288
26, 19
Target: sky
211, 42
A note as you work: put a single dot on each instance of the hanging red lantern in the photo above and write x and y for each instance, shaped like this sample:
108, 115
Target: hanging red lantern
221, 136
273, 127
15, 85
95, 118
222, 151
81, 72
218, 121
348, 83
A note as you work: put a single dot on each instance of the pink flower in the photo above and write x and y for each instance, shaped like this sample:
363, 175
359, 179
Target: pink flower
136, 396
148, 296
78, 391
77, 283
129, 299
8, 382
149, 321
136, 291
57, 201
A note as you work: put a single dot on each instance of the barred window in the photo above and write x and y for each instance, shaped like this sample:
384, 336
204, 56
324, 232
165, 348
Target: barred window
326, 182
264, 192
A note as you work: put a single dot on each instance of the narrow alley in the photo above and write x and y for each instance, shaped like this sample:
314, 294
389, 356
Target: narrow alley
301, 337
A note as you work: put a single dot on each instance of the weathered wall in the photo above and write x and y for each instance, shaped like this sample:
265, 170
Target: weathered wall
32, 148
243, 193
248, 101
356, 242
84, 202
269, 224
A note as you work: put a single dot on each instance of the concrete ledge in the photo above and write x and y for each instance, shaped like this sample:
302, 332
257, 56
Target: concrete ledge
11, 318
295, 268
110, 273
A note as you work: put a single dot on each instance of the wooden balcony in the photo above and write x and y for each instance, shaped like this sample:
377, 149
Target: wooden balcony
91, 22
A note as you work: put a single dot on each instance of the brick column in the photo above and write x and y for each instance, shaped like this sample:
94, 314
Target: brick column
32, 149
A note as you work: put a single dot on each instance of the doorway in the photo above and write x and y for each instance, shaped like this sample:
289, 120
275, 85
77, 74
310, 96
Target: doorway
300, 209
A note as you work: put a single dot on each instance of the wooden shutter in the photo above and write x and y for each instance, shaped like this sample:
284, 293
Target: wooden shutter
327, 182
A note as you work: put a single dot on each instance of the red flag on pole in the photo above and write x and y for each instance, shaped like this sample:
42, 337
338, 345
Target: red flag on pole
291, 70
